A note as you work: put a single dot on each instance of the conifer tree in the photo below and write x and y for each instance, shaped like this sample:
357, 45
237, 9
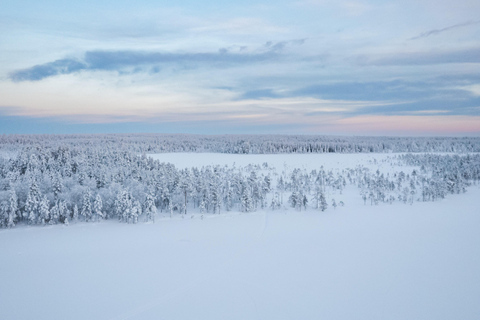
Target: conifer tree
149, 208
98, 213
12, 209
86, 211
44, 210
75, 212
323, 202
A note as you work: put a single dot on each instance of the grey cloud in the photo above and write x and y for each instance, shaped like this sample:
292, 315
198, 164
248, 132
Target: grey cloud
279, 46
471, 55
119, 60
428, 107
39, 72
107, 60
437, 88
437, 31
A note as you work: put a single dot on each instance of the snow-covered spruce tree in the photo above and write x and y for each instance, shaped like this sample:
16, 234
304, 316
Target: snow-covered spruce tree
185, 186
246, 199
149, 208
57, 185
304, 201
317, 195
75, 213
275, 204
293, 199
98, 213
265, 189
44, 210
124, 206
255, 189
216, 198
62, 212
86, 210
55, 212
281, 188
228, 202
323, 202
3, 213
32, 204
12, 209
135, 211
202, 206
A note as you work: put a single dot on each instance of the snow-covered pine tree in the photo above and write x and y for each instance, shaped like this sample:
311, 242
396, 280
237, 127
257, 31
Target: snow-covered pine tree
228, 203
86, 210
281, 188
55, 213
32, 204
3, 213
323, 202
246, 200
12, 208
317, 196
135, 211
63, 212
304, 201
98, 213
216, 199
57, 185
202, 206
75, 212
149, 208
44, 210
275, 204
185, 186
294, 200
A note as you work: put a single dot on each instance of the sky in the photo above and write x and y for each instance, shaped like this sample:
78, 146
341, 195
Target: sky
408, 67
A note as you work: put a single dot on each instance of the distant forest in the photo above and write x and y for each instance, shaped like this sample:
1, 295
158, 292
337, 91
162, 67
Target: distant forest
246, 144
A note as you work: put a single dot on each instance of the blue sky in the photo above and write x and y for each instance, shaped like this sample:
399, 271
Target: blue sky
296, 67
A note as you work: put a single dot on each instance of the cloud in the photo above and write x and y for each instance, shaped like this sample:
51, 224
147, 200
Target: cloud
279, 46
437, 31
119, 60
259, 94
380, 90
424, 124
39, 72
470, 55
448, 106
105, 60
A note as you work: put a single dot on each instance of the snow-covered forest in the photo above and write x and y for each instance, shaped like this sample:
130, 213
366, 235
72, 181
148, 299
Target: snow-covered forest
63, 179
243, 144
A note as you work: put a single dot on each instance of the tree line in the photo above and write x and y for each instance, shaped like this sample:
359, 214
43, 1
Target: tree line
245, 144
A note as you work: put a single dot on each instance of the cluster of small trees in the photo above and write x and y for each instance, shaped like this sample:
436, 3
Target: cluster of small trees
438, 176
88, 182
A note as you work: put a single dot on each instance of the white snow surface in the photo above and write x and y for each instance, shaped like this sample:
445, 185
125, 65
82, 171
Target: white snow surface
309, 161
398, 261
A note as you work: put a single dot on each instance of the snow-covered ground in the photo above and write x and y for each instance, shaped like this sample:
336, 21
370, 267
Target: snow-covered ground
398, 261
280, 161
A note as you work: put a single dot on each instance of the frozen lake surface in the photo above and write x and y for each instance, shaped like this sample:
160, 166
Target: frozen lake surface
279, 161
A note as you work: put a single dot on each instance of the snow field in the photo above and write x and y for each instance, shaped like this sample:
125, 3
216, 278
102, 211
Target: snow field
312, 161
